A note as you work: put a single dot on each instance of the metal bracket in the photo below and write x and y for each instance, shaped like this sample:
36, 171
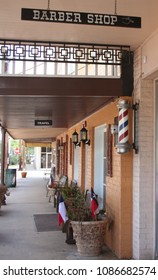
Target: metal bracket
135, 108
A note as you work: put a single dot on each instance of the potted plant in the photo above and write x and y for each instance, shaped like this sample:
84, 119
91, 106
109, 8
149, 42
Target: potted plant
88, 231
23, 174
3, 192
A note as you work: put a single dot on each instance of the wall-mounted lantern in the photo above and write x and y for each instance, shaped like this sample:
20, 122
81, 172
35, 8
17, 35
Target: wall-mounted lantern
75, 139
83, 135
61, 147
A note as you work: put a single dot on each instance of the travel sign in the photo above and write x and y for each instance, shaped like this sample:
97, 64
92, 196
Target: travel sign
80, 18
43, 122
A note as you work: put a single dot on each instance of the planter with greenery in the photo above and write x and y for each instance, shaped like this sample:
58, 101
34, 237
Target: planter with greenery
3, 192
88, 232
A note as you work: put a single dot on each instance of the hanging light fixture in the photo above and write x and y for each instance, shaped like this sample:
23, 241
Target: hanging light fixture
75, 139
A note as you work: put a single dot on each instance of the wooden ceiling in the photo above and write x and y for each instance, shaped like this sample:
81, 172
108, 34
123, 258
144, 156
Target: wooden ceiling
65, 101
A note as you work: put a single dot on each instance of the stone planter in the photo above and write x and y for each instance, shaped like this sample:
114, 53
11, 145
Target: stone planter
89, 237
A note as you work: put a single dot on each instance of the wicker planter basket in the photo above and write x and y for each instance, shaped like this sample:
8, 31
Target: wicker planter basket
89, 237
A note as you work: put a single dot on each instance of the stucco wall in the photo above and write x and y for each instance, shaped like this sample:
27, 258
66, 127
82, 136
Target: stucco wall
149, 56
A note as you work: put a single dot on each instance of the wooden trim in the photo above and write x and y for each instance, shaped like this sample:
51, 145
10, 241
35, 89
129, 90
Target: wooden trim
57, 157
66, 155
70, 147
61, 87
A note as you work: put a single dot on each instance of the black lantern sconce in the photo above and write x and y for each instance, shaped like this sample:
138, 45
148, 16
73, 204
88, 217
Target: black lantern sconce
75, 139
83, 135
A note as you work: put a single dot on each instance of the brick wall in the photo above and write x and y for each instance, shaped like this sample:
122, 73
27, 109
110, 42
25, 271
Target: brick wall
118, 187
143, 184
119, 201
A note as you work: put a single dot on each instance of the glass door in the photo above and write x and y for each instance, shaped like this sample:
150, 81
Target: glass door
100, 164
43, 160
86, 166
49, 160
46, 157
104, 166
76, 162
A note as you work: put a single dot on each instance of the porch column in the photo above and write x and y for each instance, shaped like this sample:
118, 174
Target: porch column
3, 152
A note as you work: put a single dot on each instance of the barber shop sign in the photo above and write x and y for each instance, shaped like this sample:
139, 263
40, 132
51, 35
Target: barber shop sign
80, 18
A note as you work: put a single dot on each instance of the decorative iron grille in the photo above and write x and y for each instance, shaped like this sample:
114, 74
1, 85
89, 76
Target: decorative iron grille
17, 50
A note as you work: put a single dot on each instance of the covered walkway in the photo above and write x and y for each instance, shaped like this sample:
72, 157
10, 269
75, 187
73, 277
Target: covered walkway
19, 239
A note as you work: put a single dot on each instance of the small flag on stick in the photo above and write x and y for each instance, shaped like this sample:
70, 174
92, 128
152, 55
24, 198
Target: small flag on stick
94, 204
62, 214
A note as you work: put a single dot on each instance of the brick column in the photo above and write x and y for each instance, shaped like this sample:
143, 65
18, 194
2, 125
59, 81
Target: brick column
143, 185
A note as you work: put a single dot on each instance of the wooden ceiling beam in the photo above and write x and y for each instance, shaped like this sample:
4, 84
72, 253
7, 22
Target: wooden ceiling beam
61, 87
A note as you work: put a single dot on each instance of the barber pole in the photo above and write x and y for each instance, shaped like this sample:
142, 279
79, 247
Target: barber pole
123, 145
123, 135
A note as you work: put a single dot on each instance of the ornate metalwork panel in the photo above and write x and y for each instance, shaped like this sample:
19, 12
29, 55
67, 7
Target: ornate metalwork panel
64, 52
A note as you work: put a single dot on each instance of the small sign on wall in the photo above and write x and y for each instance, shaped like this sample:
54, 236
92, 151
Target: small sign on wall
80, 18
43, 123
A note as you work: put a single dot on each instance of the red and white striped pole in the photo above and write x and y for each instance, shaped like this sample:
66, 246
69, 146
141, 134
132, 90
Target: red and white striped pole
123, 145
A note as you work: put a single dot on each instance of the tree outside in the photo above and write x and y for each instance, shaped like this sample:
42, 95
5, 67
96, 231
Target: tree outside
16, 155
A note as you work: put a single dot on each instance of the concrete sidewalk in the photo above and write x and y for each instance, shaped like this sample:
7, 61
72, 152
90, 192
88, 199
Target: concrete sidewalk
19, 239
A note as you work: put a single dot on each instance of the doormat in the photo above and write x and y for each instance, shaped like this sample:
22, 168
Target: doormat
46, 222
